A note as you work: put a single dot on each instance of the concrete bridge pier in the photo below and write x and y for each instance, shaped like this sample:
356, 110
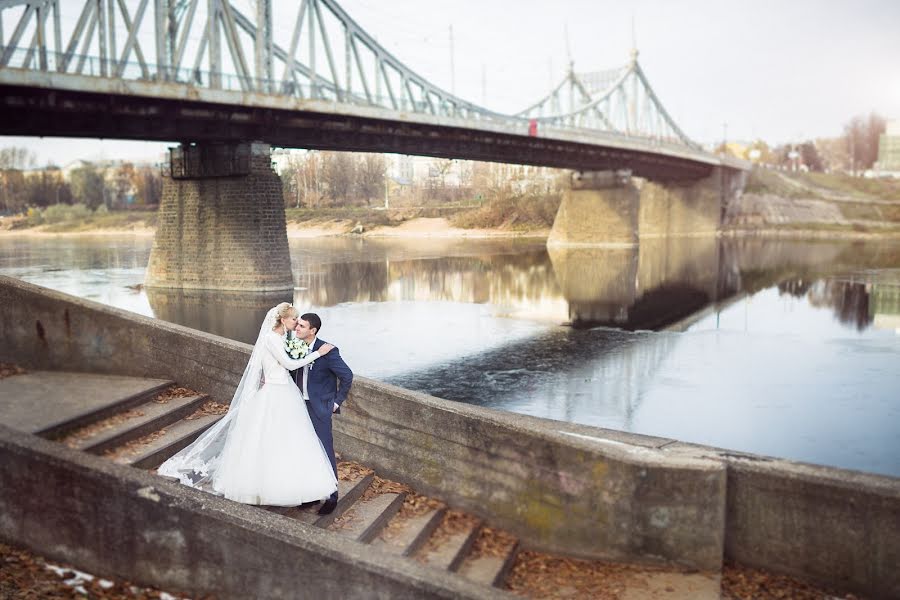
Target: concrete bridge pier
600, 207
221, 221
610, 208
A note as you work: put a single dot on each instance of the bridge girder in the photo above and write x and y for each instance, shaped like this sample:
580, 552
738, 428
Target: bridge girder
190, 58
46, 112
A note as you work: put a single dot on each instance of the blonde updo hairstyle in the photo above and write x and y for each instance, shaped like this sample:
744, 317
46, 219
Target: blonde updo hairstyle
282, 311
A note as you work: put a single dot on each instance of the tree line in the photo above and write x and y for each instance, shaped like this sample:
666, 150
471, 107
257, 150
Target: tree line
319, 179
115, 186
854, 151
334, 179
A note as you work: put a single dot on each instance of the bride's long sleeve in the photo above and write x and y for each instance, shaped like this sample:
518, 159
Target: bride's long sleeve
273, 342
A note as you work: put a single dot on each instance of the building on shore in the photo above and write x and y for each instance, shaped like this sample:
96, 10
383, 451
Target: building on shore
888, 164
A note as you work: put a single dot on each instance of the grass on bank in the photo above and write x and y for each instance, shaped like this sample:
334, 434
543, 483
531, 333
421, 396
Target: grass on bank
59, 218
817, 185
883, 188
522, 212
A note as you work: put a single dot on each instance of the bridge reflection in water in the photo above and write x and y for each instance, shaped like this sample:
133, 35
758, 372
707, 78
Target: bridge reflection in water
662, 283
619, 302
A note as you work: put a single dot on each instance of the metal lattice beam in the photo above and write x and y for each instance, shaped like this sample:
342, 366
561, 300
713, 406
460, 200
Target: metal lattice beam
324, 55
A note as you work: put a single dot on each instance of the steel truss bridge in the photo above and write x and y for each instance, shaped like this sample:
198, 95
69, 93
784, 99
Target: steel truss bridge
304, 75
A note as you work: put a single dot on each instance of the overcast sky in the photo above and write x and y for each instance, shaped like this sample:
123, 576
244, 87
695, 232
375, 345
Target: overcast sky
776, 70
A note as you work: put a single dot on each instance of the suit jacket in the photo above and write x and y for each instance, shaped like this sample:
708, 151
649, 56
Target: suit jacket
328, 381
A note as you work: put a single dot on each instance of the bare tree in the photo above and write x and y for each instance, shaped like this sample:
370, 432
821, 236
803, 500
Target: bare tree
16, 158
147, 183
861, 135
339, 170
370, 173
87, 186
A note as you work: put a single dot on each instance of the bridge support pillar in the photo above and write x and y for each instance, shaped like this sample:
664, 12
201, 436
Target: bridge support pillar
679, 209
609, 208
598, 207
221, 223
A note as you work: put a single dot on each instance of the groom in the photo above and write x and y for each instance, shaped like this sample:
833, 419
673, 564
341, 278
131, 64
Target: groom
324, 385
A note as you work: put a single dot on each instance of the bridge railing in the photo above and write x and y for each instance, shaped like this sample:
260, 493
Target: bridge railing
91, 66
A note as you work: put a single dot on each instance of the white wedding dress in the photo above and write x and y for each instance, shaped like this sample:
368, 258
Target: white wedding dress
265, 450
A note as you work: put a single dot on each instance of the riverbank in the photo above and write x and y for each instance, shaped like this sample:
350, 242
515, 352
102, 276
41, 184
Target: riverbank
431, 227
775, 204
439, 227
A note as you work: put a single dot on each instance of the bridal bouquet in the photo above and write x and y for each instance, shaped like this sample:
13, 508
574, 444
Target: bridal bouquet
295, 348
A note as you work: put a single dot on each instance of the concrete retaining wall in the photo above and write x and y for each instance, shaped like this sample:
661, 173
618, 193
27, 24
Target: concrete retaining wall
557, 493
560, 486
575, 494
120, 522
839, 528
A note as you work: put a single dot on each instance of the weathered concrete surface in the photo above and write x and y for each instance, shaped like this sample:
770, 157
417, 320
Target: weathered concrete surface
680, 209
602, 210
120, 522
223, 233
593, 216
835, 527
624, 493
556, 493
42, 329
40, 400
573, 494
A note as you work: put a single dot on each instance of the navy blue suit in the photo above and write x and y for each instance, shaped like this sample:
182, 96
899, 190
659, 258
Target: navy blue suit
327, 384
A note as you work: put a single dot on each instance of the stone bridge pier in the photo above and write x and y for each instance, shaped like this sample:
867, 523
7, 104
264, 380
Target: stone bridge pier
612, 208
221, 223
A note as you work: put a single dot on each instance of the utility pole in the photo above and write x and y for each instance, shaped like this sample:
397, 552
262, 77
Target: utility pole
483, 85
724, 139
452, 67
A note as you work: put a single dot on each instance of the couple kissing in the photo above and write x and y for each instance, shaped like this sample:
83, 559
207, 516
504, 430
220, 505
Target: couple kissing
275, 446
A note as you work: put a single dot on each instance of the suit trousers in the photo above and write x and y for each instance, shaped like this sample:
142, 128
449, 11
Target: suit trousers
323, 430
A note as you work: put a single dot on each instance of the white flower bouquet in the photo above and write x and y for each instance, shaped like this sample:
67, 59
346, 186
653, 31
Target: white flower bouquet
295, 348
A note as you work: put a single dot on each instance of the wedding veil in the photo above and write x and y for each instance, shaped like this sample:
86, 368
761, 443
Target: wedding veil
196, 464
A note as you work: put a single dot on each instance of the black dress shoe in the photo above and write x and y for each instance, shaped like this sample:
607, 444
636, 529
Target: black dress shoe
329, 505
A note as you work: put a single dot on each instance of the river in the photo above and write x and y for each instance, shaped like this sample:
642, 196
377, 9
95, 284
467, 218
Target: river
779, 347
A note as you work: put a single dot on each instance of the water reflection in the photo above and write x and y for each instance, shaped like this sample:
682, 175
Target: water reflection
647, 286
781, 347
884, 305
233, 315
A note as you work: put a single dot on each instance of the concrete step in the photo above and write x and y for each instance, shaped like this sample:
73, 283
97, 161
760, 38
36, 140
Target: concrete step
367, 518
449, 553
490, 569
119, 394
348, 493
176, 437
154, 416
411, 533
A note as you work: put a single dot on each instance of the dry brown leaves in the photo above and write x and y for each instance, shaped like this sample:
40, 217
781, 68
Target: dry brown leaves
351, 471
492, 542
174, 392
208, 408
538, 575
381, 486
415, 505
453, 523
744, 583
121, 453
25, 576
88, 431
8, 370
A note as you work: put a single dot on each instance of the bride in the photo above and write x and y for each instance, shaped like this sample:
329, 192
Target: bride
265, 449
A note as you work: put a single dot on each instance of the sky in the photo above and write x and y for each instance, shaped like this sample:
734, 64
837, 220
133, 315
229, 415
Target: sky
774, 70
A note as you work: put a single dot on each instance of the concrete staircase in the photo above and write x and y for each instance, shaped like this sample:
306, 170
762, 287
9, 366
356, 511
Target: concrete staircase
146, 424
